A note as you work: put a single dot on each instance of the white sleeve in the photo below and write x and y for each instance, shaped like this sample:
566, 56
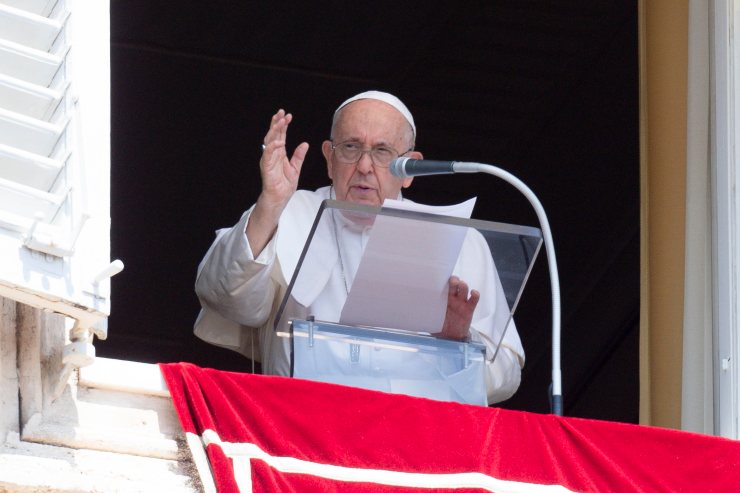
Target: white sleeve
503, 376
232, 282
477, 269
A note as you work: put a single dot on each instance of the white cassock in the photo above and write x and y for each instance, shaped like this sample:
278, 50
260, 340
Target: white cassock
240, 294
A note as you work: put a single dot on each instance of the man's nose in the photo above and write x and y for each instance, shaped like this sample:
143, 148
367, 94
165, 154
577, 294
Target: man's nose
365, 164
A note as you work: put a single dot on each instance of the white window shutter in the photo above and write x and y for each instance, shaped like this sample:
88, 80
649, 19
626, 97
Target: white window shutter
55, 157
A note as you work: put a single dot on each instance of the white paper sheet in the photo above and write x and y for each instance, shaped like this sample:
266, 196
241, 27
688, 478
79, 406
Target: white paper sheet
402, 279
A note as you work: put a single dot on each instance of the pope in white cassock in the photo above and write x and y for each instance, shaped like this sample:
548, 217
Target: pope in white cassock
244, 275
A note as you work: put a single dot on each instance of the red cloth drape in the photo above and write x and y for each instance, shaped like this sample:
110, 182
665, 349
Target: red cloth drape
275, 434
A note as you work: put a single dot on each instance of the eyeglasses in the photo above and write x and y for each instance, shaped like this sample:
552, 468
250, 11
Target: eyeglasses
351, 152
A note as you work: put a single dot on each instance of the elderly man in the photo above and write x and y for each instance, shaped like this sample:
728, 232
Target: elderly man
244, 275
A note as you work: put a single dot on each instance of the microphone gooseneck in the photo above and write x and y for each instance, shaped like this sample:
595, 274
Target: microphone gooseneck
404, 167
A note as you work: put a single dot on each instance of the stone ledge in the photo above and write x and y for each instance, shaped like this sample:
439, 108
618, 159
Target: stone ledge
33, 467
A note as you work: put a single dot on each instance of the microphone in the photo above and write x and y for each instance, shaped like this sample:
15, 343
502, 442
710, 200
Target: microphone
404, 167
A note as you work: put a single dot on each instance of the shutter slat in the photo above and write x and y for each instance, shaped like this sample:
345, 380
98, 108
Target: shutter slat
28, 99
29, 169
39, 7
29, 134
28, 29
28, 64
29, 202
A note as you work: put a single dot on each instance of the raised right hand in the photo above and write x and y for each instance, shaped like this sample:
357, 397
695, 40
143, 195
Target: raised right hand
280, 173
279, 181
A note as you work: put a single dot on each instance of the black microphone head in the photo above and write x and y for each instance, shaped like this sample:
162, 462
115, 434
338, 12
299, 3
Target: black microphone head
404, 167
398, 167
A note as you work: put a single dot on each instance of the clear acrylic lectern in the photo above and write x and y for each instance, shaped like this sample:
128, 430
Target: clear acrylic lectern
394, 357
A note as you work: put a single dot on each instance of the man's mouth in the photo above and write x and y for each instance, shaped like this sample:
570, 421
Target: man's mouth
363, 188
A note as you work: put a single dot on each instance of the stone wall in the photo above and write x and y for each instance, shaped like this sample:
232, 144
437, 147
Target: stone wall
105, 427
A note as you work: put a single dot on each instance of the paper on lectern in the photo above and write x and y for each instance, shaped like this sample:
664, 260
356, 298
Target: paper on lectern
401, 281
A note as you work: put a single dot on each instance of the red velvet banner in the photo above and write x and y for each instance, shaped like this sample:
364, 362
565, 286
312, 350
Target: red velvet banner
270, 434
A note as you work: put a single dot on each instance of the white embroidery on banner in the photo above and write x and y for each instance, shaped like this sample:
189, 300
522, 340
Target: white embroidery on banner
242, 453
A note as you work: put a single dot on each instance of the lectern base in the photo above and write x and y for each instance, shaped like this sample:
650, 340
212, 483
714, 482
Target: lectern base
389, 360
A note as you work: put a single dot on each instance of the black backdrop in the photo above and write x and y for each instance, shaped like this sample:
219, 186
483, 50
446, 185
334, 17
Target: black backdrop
546, 90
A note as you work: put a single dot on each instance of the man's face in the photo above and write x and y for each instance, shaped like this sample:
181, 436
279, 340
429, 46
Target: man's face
369, 123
